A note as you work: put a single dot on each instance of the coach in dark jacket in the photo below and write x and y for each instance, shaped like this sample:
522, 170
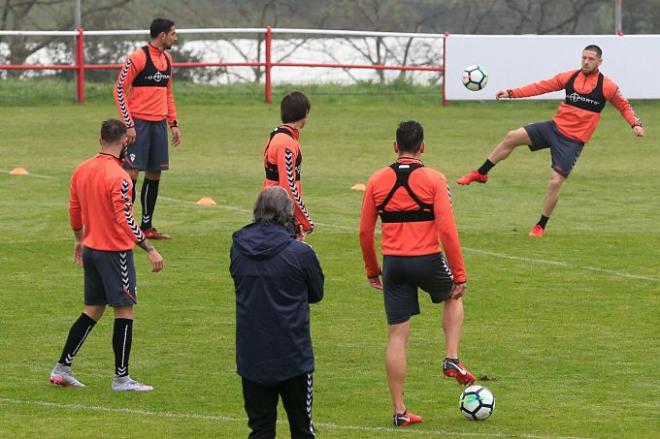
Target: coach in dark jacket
276, 277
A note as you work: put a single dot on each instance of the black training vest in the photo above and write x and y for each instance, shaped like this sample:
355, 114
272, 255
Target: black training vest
425, 211
594, 101
271, 168
150, 76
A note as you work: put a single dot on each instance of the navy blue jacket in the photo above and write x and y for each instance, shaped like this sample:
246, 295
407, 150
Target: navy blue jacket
276, 278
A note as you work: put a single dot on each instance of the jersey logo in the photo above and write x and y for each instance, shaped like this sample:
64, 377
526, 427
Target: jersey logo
575, 97
158, 77
132, 157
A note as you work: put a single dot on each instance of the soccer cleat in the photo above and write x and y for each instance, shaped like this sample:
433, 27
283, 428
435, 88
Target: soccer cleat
152, 233
472, 176
537, 231
405, 419
129, 384
62, 376
457, 371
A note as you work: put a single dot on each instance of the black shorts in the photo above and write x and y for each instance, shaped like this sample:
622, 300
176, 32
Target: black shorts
109, 278
149, 151
402, 275
565, 151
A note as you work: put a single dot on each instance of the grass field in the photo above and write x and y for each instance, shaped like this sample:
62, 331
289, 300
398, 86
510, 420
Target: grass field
567, 325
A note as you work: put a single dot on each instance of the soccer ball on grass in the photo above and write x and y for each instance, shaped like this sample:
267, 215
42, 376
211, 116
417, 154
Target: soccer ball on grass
476, 403
474, 77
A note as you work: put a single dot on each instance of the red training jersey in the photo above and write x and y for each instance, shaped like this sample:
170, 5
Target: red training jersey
152, 103
100, 201
576, 123
283, 152
410, 238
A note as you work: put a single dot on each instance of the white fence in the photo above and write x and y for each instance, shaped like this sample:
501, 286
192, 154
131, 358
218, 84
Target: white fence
632, 61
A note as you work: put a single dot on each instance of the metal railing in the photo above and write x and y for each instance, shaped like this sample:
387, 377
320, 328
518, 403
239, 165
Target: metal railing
79, 65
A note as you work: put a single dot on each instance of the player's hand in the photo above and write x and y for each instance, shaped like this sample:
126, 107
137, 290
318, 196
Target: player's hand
131, 134
375, 282
457, 290
157, 261
638, 130
502, 94
176, 136
77, 253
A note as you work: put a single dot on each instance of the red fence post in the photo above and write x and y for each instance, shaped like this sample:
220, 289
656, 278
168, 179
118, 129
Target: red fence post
80, 66
268, 92
444, 67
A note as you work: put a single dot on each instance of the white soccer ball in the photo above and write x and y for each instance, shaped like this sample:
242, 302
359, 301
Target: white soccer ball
474, 77
476, 403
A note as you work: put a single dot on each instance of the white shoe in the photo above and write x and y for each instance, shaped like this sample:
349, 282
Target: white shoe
128, 383
61, 376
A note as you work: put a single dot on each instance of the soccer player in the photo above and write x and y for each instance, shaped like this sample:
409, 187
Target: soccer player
587, 89
283, 156
143, 95
415, 209
101, 216
276, 278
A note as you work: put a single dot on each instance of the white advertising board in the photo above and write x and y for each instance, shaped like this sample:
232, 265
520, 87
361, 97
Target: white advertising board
633, 62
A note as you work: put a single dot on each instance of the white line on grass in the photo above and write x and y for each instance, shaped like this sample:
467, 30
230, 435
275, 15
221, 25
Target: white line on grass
475, 250
322, 425
562, 264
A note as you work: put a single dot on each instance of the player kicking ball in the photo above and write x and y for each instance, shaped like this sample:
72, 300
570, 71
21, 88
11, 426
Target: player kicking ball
587, 91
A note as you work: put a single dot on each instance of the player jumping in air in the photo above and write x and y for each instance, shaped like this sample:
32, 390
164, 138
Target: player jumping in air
587, 89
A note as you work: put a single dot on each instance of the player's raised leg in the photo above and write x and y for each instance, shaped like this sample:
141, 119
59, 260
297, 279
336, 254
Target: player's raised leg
551, 198
511, 141
452, 323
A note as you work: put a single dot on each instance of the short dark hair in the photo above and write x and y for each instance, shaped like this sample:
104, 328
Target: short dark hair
112, 130
594, 48
409, 136
274, 206
160, 25
294, 107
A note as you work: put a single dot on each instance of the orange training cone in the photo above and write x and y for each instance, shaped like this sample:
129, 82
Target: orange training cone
19, 171
206, 201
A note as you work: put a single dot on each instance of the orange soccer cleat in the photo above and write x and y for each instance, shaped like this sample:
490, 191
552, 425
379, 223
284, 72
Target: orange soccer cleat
537, 231
472, 176
455, 369
405, 419
152, 233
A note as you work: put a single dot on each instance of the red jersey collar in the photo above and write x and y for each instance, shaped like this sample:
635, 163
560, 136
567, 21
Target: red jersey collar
405, 159
295, 132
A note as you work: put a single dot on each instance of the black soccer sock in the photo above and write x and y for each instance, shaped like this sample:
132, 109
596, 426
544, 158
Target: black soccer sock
148, 197
452, 360
121, 344
543, 221
486, 167
133, 193
77, 335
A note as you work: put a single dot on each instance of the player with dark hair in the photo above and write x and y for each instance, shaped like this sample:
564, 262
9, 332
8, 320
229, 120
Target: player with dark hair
416, 215
143, 95
283, 156
101, 216
586, 89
